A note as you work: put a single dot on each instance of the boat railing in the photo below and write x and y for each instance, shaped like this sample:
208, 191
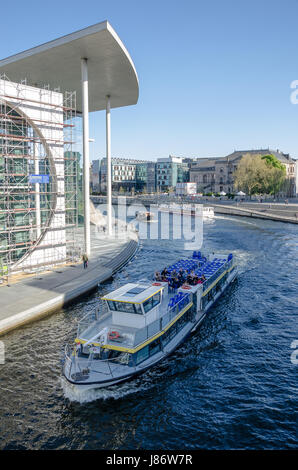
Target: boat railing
72, 363
162, 322
217, 273
88, 319
173, 311
68, 354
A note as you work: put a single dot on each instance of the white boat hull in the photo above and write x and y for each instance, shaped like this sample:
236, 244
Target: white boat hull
189, 328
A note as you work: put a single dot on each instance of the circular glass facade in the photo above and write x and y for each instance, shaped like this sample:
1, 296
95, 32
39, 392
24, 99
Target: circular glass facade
27, 193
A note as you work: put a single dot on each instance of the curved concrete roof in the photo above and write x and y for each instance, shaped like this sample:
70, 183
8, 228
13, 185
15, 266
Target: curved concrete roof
110, 68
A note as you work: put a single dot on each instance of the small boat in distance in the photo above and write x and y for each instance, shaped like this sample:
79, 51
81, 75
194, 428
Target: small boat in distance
144, 216
145, 321
208, 212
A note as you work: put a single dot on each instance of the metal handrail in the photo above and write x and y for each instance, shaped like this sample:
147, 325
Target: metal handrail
171, 313
212, 278
88, 319
70, 355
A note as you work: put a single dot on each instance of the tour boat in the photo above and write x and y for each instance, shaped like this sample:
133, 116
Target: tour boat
143, 322
207, 212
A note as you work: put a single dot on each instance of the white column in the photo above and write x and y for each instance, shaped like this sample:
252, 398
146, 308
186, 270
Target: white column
37, 192
109, 165
86, 165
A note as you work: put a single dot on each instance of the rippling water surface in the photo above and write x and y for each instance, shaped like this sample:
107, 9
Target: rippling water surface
231, 385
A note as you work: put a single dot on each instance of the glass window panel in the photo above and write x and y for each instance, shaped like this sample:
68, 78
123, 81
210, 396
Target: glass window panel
111, 305
125, 307
142, 355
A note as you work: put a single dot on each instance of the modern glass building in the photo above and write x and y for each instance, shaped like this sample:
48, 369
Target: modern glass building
128, 175
146, 177
170, 171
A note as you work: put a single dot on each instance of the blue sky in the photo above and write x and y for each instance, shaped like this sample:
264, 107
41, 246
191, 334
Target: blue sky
214, 75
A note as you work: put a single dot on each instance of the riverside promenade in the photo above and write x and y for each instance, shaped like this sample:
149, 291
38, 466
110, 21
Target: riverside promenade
45, 293
271, 211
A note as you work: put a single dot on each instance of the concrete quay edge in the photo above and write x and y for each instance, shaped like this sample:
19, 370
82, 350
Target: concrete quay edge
237, 211
56, 303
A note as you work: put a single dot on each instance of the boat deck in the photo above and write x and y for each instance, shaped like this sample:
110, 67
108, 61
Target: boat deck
129, 337
200, 266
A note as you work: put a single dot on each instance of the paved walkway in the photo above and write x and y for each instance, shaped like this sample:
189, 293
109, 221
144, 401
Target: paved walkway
33, 298
279, 213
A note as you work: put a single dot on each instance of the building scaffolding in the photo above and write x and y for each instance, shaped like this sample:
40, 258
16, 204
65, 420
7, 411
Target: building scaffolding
39, 178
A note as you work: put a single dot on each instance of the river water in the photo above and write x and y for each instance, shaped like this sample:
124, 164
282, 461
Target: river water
231, 385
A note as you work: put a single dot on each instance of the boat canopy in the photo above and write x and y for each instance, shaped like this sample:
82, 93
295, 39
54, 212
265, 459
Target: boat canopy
135, 293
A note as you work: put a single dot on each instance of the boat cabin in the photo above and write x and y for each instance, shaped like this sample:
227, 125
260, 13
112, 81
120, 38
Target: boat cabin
136, 304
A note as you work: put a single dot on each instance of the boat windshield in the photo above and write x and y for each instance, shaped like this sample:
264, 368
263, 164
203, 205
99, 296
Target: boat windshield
126, 307
151, 302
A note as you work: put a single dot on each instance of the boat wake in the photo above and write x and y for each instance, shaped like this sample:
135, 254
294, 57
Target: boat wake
115, 392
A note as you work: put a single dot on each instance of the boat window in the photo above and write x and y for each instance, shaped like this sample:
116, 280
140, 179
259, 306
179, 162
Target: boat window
151, 302
124, 307
111, 305
138, 309
154, 347
142, 354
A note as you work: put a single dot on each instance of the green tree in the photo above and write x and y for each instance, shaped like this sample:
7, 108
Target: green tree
272, 161
259, 174
249, 176
275, 176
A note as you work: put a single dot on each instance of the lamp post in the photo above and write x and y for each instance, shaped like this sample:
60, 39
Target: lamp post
86, 162
109, 164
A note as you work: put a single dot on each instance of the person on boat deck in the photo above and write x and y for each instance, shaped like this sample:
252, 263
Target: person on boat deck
174, 284
164, 272
189, 278
158, 276
181, 278
181, 273
203, 279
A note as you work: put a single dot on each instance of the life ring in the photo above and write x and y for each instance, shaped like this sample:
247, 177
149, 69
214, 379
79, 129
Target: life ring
114, 335
186, 287
156, 284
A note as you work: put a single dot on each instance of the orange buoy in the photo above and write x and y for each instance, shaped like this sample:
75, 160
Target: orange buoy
114, 335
